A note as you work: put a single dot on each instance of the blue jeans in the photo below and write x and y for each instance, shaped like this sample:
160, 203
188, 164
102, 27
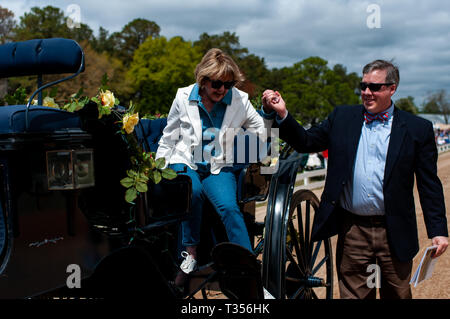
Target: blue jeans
221, 190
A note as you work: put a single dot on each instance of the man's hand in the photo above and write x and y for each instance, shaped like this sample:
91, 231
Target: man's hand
272, 100
442, 243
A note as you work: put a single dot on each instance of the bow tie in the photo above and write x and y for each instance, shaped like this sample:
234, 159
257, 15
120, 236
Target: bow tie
376, 117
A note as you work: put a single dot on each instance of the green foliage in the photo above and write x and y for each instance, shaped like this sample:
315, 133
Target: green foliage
148, 68
227, 42
311, 89
76, 101
131, 37
19, 97
102, 43
49, 22
145, 168
135, 182
159, 67
7, 24
407, 104
438, 103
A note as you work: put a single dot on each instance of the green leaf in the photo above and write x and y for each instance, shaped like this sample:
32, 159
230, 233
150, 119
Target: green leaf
131, 173
156, 177
130, 195
142, 178
127, 182
95, 100
71, 107
168, 173
141, 187
53, 92
80, 92
103, 110
105, 81
160, 162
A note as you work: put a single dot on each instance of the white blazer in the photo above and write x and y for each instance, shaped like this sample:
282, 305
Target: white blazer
183, 131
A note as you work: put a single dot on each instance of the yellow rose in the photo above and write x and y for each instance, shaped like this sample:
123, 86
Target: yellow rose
50, 102
107, 98
273, 161
129, 122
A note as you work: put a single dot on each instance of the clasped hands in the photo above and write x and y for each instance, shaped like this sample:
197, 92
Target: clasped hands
272, 101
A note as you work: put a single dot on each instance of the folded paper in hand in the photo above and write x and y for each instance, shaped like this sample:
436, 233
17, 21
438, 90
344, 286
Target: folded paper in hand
426, 266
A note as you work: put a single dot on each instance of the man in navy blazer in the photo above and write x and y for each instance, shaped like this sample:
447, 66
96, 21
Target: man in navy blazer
374, 150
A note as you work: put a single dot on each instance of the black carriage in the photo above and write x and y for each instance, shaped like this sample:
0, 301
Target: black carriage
62, 208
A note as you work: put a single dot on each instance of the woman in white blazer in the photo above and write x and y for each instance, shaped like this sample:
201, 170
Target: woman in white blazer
202, 123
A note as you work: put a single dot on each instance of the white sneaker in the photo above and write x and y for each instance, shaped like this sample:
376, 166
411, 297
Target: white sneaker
267, 295
188, 264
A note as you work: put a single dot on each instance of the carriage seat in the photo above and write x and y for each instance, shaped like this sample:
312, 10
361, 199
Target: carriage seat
40, 56
149, 133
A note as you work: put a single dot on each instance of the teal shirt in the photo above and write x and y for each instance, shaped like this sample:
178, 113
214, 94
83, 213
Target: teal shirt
211, 123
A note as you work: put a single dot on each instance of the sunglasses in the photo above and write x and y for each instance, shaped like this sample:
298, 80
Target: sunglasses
374, 87
217, 84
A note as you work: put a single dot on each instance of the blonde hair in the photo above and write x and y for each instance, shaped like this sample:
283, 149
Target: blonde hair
217, 64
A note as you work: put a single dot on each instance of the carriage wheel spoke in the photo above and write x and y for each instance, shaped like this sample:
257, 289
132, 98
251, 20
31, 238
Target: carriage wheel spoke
302, 247
292, 260
298, 252
299, 291
307, 217
320, 264
307, 263
316, 251
292, 279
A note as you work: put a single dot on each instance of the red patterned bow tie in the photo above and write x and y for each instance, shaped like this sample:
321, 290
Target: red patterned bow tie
376, 117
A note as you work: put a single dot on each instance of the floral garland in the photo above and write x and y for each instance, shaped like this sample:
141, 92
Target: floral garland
144, 166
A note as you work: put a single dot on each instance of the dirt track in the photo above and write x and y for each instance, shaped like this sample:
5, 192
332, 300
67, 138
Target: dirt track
438, 286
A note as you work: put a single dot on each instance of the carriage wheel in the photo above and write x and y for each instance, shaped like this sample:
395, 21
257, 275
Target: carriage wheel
308, 265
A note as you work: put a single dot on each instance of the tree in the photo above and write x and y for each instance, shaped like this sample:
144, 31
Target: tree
312, 90
227, 42
438, 103
7, 24
255, 71
159, 67
49, 22
407, 104
96, 66
131, 37
102, 43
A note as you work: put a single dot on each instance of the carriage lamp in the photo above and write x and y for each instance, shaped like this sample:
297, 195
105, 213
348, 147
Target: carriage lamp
70, 169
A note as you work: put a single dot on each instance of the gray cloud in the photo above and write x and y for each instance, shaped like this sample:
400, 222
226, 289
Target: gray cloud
416, 34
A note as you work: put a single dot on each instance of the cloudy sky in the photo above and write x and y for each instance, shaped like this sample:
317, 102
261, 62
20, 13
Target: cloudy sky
415, 33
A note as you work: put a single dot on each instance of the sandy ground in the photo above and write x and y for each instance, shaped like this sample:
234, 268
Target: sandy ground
438, 286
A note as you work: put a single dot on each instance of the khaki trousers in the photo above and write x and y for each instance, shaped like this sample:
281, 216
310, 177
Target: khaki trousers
364, 261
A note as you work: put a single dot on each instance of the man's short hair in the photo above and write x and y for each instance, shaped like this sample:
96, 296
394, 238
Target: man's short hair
217, 64
392, 73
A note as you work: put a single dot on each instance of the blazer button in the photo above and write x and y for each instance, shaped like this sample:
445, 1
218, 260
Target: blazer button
333, 202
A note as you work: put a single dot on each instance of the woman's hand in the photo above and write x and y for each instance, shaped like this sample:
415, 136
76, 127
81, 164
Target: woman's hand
272, 100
